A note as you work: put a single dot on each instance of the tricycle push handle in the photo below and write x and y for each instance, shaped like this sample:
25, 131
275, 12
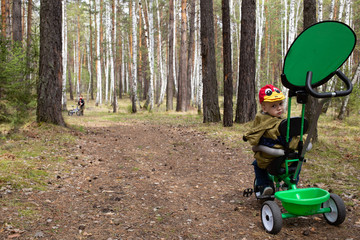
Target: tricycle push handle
312, 92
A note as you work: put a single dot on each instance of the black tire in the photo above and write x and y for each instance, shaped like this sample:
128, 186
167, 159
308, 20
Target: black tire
78, 113
70, 113
271, 218
338, 210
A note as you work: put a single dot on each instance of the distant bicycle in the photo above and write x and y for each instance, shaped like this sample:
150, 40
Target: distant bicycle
74, 111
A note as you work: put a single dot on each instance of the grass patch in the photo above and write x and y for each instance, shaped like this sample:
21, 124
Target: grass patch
334, 159
29, 155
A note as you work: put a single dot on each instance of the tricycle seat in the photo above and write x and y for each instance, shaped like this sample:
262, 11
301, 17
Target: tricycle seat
276, 169
295, 127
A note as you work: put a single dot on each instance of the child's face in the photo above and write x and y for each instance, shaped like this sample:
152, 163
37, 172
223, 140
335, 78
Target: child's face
275, 109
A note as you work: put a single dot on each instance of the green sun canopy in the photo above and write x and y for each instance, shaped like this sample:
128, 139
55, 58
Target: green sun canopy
322, 49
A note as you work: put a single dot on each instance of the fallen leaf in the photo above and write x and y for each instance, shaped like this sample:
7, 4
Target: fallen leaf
14, 236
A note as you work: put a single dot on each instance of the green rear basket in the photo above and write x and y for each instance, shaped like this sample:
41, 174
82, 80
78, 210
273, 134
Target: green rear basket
305, 201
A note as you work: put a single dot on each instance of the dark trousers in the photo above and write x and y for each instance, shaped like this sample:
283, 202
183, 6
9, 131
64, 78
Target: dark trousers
261, 175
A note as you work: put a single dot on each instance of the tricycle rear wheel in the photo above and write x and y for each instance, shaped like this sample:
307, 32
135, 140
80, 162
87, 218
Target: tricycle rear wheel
338, 210
271, 217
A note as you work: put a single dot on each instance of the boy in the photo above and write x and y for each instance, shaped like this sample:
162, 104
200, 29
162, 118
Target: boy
265, 132
81, 104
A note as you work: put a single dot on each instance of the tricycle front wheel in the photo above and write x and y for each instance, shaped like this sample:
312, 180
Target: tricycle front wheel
338, 210
271, 217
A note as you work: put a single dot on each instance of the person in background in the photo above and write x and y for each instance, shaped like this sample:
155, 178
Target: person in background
81, 104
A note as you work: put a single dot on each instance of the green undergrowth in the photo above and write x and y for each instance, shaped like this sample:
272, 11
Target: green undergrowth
334, 160
30, 155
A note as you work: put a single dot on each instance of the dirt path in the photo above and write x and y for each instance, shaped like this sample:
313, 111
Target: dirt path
142, 181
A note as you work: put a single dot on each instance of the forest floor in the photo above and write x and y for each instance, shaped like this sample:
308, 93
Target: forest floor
140, 179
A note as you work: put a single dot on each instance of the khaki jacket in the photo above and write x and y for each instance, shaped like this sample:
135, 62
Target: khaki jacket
267, 126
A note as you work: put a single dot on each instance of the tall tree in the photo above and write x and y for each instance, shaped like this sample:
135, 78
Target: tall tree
190, 53
210, 86
50, 67
79, 50
3, 18
91, 53
16, 21
98, 100
182, 78
28, 37
246, 103
346, 99
64, 53
162, 73
228, 79
170, 79
312, 112
134, 59
113, 49
151, 55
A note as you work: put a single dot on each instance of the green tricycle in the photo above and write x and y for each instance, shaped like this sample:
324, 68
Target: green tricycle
313, 59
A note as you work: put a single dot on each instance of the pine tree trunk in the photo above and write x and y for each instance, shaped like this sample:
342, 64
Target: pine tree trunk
312, 105
50, 65
182, 79
211, 110
246, 103
228, 79
119, 59
3, 17
28, 39
91, 55
170, 79
69, 81
64, 54
16, 22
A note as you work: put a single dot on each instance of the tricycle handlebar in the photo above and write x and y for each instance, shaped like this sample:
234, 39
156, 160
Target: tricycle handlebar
312, 92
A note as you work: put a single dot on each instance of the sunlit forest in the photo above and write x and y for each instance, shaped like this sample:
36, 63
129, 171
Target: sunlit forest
98, 48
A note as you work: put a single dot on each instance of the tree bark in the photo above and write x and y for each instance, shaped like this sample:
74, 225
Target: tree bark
170, 79
211, 110
344, 104
246, 103
91, 55
50, 66
182, 78
190, 53
28, 38
312, 105
16, 22
98, 100
64, 54
134, 60
3, 18
228, 79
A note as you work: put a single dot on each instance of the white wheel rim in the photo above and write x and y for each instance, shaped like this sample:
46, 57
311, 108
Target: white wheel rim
267, 218
333, 215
